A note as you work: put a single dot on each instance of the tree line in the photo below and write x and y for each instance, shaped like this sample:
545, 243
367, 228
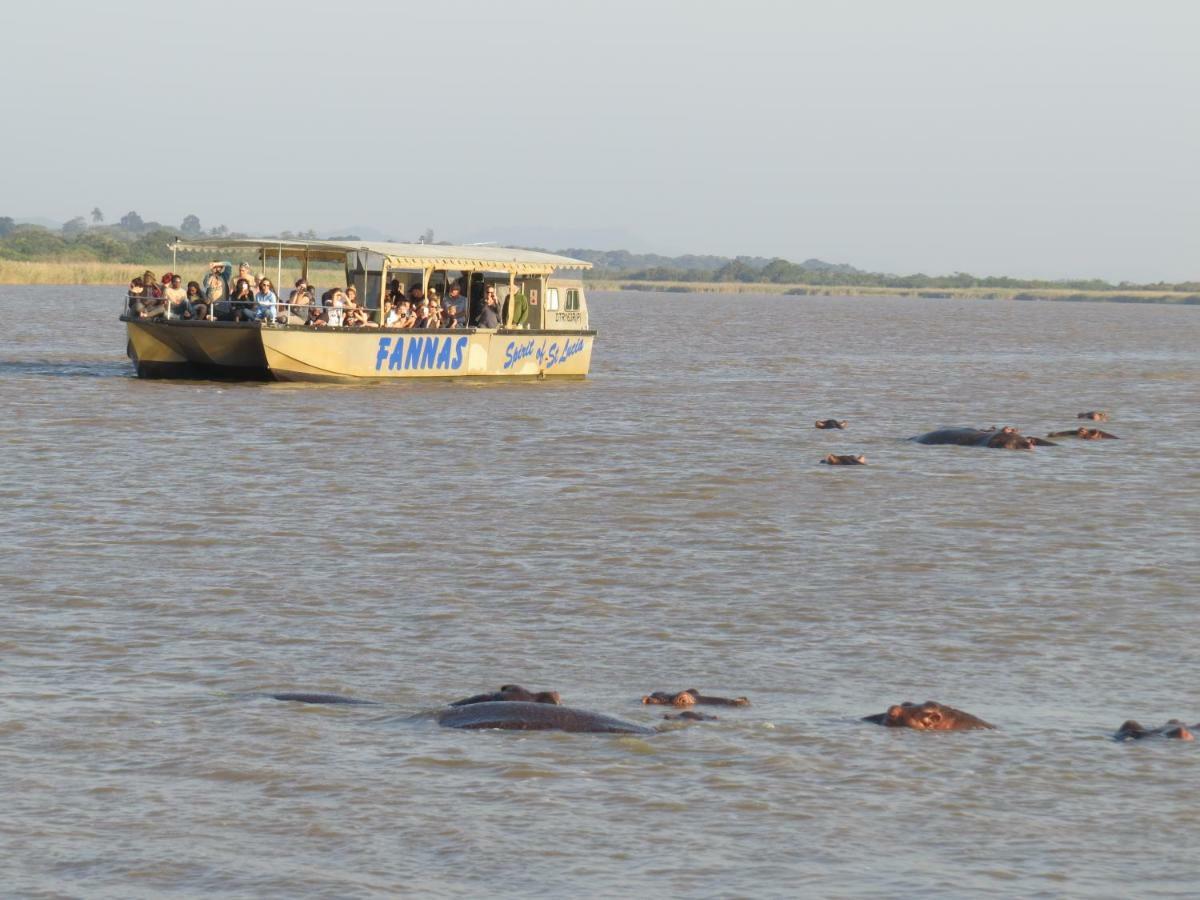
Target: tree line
131, 239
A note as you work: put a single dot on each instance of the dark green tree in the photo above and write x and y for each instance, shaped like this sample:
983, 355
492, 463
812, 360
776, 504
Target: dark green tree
34, 242
97, 216
191, 226
131, 221
75, 227
6, 225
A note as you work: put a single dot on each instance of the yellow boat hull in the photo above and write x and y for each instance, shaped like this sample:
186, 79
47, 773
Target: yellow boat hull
222, 349
181, 349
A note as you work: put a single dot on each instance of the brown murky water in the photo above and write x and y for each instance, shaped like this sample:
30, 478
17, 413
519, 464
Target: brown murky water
665, 524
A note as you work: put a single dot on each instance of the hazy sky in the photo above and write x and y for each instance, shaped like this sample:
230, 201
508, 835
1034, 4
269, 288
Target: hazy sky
1039, 138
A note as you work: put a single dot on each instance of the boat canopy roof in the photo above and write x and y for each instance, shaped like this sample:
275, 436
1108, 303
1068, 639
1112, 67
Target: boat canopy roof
399, 256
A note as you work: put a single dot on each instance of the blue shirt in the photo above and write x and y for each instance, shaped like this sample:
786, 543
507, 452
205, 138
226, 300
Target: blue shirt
265, 305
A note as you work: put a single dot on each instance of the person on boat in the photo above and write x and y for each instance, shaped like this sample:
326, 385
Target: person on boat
455, 307
416, 296
150, 283
337, 305
520, 309
195, 302
318, 316
266, 303
394, 314
176, 297
173, 289
242, 301
216, 284
134, 301
155, 308
245, 273
299, 288
298, 309
489, 316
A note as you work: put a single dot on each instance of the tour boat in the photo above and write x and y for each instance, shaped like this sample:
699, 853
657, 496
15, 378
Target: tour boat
553, 342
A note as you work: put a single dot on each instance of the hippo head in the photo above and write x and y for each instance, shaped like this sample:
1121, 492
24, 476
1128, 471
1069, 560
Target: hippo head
1008, 438
928, 716
1174, 729
518, 693
663, 698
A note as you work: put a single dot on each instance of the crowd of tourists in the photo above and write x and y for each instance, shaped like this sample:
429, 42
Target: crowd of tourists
245, 297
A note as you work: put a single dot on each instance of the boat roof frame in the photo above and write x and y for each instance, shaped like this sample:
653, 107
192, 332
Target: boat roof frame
399, 256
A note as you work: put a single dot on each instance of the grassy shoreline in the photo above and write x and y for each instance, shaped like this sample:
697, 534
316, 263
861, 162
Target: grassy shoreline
103, 273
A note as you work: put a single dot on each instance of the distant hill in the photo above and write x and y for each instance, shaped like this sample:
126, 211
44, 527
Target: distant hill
653, 266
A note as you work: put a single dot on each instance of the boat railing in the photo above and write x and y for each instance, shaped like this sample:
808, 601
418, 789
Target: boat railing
280, 307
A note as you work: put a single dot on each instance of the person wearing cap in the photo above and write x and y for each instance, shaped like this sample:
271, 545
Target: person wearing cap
216, 285
454, 307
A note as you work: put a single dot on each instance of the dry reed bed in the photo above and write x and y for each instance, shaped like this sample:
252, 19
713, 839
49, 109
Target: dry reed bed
13, 271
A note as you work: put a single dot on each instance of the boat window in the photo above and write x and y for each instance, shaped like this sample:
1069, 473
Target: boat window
551, 299
572, 299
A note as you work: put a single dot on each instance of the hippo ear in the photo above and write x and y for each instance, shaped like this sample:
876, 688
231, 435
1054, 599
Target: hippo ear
895, 712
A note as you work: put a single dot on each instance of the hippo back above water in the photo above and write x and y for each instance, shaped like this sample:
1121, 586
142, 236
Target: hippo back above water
521, 716
1006, 438
512, 693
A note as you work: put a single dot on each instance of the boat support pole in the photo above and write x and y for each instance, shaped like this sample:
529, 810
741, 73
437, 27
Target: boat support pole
174, 266
278, 280
511, 302
383, 292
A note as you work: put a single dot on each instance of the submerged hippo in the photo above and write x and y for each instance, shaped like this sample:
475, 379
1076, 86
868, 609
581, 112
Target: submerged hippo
1006, 438
321, 698
545, 714
1174, 729
829, 423
927, 716
521, 716
1087, 434
689, 715
691, 697
512, 693
1095, 415
834, 459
